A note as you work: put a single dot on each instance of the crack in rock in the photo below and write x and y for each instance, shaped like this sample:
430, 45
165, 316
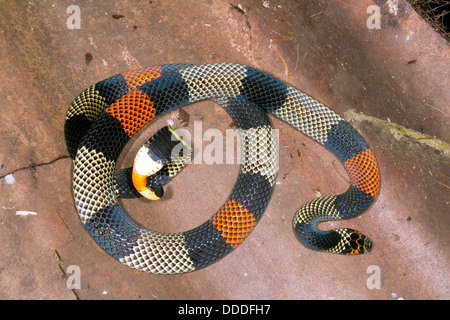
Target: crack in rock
34, 166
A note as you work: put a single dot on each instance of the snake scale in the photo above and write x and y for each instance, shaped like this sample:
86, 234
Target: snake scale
104, 117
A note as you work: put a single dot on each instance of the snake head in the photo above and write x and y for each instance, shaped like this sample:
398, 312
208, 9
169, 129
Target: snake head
151, 158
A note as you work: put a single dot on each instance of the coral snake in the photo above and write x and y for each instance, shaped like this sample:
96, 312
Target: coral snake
104, 117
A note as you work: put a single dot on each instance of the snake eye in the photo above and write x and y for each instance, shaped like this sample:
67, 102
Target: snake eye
159, 191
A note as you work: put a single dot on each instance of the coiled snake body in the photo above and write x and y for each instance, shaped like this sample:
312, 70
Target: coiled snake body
104, 117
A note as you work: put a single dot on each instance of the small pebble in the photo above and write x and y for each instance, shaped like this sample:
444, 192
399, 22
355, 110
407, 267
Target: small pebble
9, 179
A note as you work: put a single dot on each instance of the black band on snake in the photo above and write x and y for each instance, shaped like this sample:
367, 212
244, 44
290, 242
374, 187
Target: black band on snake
104, 117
